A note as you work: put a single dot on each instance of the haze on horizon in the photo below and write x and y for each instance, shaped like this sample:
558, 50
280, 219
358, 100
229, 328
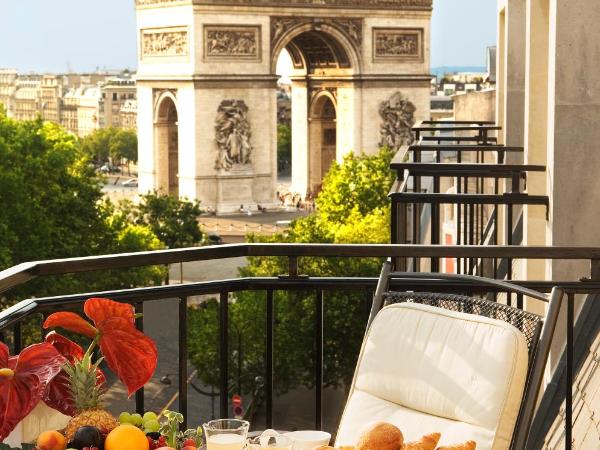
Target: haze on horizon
83, 36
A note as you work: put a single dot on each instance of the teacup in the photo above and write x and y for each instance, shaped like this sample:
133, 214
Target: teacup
308, 439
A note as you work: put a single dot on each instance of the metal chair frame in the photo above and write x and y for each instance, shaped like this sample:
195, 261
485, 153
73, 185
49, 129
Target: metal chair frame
538, 330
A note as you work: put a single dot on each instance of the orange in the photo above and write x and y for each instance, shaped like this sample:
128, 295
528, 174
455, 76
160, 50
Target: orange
51, 440
126, 437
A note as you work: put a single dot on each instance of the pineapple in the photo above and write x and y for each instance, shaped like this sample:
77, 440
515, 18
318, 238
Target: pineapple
87, 397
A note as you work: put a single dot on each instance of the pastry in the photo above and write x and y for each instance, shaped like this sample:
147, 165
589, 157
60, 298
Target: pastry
380, 436
427, 442
469, 445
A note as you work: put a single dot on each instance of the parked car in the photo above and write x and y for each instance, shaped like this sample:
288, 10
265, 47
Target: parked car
132, 182
214, 239
107, 168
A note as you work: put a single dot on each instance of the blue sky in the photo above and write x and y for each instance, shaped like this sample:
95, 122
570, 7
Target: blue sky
82, 35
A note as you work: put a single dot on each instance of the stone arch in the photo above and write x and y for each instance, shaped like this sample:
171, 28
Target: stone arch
335, 40
322, 138
166, 143
326, 57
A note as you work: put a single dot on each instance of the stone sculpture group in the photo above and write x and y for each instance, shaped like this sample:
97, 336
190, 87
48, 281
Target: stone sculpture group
232, 133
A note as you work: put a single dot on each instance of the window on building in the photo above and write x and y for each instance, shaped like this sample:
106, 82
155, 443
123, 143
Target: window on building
114, 97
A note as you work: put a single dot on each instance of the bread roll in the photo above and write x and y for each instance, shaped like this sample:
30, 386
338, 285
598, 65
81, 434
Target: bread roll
323, 447
427, 442
380, 436
469, 445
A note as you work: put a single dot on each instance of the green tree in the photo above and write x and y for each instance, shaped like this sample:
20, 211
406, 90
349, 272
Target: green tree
352, 208
114, 144
123, 145
96, 145
173, 220
284, 148
52, 207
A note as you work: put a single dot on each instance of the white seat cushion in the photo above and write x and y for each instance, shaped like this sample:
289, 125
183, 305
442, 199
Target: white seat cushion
363, 408
458, 367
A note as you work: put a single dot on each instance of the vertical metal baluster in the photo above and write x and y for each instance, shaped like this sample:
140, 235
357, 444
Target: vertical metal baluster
139, 323
270, 346
183, 359
43, 331
466, 223
18, 338
319, 304
458, 219
509, 236
471, 235
569, 374
224, 353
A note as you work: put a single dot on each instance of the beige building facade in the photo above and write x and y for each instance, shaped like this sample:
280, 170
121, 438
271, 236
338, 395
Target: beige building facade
549, 102
51, 93
8, 86
115, 93
207, 90
26, 104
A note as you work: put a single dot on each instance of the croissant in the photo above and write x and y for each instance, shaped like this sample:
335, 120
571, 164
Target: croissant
469, 445
427, 442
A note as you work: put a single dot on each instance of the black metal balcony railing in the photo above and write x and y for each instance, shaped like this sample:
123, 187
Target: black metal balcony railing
477, 218
11, 318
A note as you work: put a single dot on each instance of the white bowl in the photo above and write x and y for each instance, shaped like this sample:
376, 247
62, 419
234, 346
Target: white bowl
308, 439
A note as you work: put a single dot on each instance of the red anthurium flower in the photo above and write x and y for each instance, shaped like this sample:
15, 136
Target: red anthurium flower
126, 350
58, 395
71, 322
23, 381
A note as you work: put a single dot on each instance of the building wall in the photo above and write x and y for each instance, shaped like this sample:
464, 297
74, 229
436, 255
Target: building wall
475, 106
562, 107
115, 93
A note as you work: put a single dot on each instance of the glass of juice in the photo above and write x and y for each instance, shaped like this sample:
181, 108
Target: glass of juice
226, 434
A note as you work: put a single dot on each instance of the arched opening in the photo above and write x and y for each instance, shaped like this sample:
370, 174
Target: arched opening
313, 61
167, 146
322, 140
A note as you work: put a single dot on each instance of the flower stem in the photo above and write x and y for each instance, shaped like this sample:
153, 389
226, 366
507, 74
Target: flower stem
92, 345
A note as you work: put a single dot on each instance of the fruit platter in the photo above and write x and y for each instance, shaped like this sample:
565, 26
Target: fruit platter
70, 380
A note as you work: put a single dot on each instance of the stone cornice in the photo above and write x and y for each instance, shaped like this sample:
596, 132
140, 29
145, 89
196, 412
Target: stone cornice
354, 4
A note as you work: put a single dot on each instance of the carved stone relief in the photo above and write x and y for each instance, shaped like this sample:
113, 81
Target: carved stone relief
232, 134
397, 44
154, 2
165, 42
361, 4
232, 41
351, 28
398, 118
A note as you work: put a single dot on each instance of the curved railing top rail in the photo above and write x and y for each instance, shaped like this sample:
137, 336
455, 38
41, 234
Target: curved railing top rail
20, 274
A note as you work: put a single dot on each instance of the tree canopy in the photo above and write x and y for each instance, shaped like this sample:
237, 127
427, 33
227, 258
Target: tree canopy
111, 143
352, 208
52, 207
174, 221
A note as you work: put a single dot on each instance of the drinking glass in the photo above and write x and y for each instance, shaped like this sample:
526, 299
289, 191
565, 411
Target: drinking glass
226, 434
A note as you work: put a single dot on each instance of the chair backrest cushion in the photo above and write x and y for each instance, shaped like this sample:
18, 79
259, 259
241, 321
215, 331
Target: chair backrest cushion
449, 364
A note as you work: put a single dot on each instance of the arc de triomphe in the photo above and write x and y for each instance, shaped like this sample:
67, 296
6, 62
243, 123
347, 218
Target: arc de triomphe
207, 107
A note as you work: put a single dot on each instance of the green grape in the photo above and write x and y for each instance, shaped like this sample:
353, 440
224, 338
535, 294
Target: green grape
149, 416
151, 426
125, 417
136, 419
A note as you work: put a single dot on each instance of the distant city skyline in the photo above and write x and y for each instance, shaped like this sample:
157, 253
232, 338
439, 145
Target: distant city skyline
75, 36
